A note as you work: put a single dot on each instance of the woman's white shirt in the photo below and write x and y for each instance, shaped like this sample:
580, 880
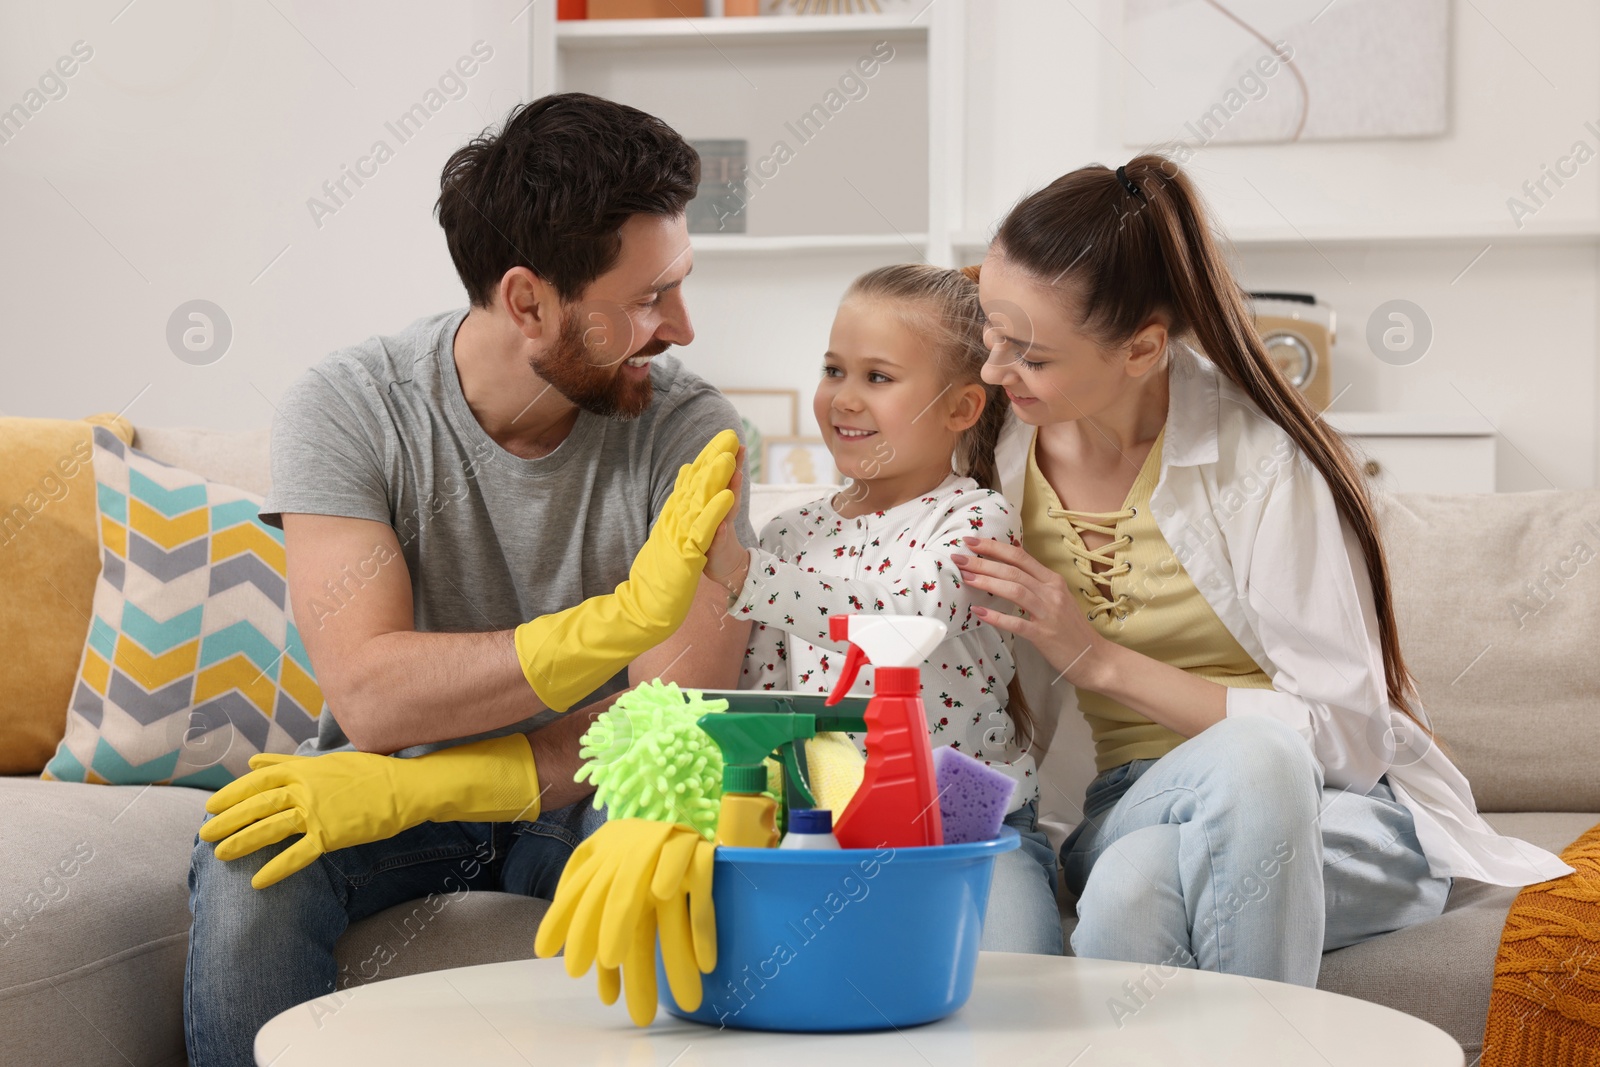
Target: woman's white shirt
1254, 524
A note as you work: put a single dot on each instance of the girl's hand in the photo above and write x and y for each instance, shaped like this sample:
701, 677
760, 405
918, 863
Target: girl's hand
1050, 615
727, 562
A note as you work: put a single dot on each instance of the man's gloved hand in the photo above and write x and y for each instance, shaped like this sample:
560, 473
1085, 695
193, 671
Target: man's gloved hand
567, 655
629, 880
350, 798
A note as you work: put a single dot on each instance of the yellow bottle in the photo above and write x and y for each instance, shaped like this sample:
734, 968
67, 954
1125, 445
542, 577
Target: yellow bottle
747, 818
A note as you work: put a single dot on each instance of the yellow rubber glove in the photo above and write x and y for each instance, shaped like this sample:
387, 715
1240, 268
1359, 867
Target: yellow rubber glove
633, 879
567, 655
350, 798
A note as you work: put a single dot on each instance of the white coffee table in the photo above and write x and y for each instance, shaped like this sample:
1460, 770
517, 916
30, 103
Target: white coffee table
1024, 1010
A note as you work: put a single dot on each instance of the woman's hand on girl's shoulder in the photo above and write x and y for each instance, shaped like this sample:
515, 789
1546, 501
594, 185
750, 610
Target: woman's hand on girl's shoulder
1048, 613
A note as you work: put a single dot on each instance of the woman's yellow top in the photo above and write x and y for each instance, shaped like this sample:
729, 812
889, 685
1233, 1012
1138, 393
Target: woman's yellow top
1136, 593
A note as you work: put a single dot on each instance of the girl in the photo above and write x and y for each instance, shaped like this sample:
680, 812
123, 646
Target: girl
908, 420
1202, 564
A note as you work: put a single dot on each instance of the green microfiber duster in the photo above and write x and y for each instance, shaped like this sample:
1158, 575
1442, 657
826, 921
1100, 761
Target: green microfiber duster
648, 759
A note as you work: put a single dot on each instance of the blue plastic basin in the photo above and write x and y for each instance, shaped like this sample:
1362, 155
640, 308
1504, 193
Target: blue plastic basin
858, 939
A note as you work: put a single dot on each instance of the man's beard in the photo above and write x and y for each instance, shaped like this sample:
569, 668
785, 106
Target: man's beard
596, 386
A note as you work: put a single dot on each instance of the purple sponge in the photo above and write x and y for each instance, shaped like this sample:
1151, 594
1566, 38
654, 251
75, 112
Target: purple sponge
972, 796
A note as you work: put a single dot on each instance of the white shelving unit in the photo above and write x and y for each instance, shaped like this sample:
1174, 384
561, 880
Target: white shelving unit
655, 33
1408, 424
1250, 238
739, 244
1421, 451
1485, 233
939, 28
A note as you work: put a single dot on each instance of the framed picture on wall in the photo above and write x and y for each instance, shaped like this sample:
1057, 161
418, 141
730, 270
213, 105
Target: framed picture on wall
797, 459
766, 413
773, 412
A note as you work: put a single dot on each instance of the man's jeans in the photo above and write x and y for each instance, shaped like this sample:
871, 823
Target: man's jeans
1229, 854
254, 953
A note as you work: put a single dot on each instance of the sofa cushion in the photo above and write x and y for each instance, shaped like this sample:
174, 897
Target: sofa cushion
1494, 596
233, 457
95, 927
94, 931
1442, 970
193, 663
49, 557
444, 931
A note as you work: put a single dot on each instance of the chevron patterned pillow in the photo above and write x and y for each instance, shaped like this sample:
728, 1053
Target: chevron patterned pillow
192, 663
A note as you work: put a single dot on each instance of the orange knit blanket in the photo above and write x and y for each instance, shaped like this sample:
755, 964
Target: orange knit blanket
1545, 1006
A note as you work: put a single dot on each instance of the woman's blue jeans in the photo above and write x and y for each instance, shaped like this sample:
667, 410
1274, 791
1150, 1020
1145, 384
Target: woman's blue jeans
254, 953
1023, 915
1228, 854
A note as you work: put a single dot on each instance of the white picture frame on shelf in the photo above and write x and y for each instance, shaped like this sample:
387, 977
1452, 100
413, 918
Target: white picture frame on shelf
766, 413
803, 460
773, 412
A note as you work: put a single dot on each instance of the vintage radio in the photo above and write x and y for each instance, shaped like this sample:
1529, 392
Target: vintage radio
1298, 332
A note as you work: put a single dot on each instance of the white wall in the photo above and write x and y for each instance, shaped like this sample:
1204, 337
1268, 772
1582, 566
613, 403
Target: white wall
179, 164
1515, 336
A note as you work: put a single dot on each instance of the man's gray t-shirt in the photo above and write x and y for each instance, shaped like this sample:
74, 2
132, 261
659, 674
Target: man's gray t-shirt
381, 431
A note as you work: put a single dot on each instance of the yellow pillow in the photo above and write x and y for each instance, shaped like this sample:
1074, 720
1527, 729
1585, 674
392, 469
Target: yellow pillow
49, 560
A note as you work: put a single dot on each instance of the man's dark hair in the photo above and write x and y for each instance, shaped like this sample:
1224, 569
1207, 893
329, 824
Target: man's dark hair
551, 190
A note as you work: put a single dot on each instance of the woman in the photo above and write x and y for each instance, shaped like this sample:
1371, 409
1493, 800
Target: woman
1201, 562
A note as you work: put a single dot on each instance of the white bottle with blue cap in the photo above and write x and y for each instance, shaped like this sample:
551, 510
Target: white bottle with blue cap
810, 828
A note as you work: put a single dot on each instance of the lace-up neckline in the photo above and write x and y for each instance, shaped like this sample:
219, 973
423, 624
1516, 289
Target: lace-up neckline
1103, 522
1144, 601
1101, 601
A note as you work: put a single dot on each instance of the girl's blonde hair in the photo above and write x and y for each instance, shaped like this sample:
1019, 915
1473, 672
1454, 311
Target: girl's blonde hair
942, 305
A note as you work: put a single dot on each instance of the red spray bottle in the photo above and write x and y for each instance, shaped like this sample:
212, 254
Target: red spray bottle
897, 803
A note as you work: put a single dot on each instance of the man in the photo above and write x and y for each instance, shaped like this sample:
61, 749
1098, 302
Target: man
462, 506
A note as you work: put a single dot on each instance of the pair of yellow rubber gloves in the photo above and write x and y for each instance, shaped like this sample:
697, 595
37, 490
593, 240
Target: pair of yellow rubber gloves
628, 881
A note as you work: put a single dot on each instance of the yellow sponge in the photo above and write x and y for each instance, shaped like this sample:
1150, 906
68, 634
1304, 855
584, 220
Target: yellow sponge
835, 767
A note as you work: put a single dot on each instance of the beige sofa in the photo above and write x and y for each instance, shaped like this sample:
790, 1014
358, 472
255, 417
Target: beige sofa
95, 975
